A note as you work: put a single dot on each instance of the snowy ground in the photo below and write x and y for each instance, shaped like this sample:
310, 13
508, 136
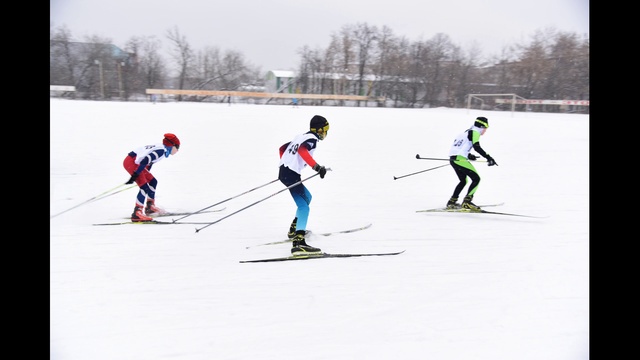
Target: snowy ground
469, 286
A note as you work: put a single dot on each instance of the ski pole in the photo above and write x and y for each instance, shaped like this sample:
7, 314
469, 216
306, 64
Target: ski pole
97, 197
231, 198
424, 158
259, 201
418, 172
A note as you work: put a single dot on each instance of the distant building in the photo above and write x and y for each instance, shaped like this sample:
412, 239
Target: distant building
280, 81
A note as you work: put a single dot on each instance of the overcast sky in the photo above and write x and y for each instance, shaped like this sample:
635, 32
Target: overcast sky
269, 33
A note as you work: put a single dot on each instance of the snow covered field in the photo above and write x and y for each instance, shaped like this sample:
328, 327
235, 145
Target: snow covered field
469, 286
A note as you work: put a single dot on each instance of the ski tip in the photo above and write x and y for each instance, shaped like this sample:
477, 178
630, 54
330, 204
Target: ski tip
417, 156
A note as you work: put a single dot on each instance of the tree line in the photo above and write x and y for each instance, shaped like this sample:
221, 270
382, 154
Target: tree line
360, 60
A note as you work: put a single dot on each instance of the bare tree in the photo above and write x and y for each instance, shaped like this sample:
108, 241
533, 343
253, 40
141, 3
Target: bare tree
62, 63
365, 39
563, 81
383, 61
452, 72
214, 70
360, 60
466, 76
343, 58
438, 58
316, 69
305, 69
182, 55
530, 70
145, 69
416, 75
397, 65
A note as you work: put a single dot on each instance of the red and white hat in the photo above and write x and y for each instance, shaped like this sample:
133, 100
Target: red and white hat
171, 140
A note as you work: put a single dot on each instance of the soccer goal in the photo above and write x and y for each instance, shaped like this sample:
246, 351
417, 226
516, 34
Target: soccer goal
510, 101
492, 101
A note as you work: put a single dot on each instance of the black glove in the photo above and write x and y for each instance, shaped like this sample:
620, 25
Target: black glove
471, 157
133, 178
490, 161
320, 169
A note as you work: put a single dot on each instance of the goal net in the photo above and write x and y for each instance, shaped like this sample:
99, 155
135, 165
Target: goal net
493, 101
514, 102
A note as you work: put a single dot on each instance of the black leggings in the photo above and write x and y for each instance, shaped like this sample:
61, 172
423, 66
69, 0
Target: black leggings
464, 169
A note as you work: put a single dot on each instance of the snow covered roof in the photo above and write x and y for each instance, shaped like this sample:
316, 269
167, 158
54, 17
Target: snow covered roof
283, 73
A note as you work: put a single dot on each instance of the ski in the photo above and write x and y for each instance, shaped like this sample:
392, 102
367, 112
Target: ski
468, 211
152, 222
170, 213
318, 256
451, 210
309, 232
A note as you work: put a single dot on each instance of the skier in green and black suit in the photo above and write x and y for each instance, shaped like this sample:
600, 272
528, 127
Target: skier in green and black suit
459, 156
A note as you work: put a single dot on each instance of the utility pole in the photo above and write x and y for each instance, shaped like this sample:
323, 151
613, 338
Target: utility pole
120, 65
99, 63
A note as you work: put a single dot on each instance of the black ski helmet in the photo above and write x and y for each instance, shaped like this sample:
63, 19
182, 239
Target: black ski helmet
319, 126
481, 122
317, 122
